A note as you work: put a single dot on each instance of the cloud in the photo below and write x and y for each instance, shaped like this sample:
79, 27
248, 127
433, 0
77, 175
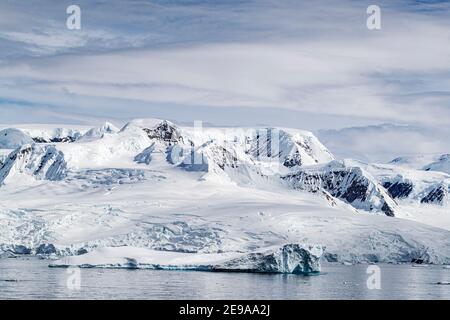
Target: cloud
383, 143
307, 58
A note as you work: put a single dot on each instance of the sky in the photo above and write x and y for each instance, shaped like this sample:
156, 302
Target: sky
307, 64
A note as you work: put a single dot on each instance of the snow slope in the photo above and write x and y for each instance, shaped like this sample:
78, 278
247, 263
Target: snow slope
4, 153
33, 161
13, 138
349, 183
420, 195
441, 164
100, 132
45, 133
153, 186
415, 161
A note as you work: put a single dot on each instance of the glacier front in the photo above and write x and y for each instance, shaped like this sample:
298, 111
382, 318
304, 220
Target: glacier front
290, 258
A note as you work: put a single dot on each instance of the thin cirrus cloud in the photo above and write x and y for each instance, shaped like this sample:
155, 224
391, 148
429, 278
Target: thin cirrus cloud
299, 57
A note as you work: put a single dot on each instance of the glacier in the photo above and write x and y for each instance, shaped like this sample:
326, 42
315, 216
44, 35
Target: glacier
249, 199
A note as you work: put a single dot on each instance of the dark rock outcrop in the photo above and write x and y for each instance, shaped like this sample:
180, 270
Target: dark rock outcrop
399, 189
351, 184
67, 139
166, 132
436, 196
42, 162
20, 249
46, 249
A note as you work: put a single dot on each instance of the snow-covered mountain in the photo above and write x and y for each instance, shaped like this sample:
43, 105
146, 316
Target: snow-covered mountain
349, 183
404, 183
159, 186
441, 164
96, 133
47, 133
252, 156
13, 138
428, 162
33, 161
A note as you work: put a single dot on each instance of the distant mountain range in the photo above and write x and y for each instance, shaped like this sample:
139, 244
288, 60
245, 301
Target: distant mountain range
154, 170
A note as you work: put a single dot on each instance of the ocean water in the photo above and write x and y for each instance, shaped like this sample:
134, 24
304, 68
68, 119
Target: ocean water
31, 278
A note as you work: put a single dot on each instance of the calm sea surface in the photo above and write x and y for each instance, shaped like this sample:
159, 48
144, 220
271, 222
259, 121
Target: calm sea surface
30, 278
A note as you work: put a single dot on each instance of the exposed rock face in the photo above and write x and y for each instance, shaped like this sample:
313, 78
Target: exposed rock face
291, 258
40, 162
57, 135
54, 140
269, 154
166, 132
46, 249
399, 189
250, 156
20, 249
251, 149
291, 150
246, 157
350, 184
293, 160
411, 185
81, 251
223, 158
437, 195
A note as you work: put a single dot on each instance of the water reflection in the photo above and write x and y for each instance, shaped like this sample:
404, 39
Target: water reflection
36, 281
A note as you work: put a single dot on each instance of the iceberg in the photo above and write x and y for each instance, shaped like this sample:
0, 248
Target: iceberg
290, 258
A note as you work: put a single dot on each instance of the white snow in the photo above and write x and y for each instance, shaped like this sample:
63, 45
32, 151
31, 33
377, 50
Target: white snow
119, 191
33, 161
415, 161
4, 153
422, 180
287, 259
410, 207
98, 133
441, 164
12, 138
346, 181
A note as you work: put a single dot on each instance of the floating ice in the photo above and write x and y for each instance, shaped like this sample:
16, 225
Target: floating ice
290, 258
